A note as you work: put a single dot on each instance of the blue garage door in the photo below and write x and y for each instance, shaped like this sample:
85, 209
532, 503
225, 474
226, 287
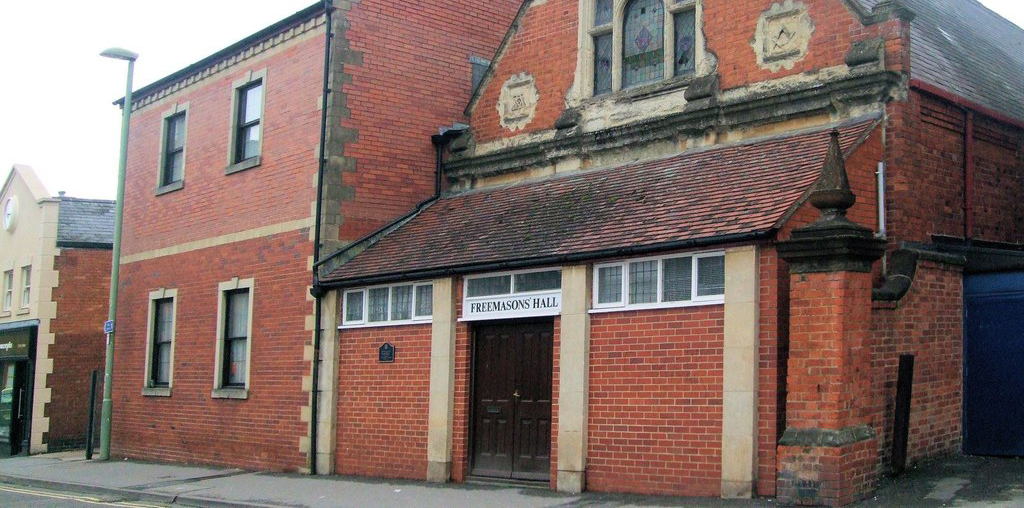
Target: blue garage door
994, 364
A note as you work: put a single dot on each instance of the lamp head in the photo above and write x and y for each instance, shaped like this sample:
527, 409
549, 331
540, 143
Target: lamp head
120, 54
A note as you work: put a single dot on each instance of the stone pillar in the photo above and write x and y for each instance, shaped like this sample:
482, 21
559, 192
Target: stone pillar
327, 412
828, 453
573, 377
739, 374
442, 383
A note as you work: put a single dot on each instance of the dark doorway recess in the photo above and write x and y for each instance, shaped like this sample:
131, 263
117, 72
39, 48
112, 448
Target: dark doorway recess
511, 425
993, 376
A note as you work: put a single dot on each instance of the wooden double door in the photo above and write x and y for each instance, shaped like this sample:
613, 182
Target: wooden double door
511, 426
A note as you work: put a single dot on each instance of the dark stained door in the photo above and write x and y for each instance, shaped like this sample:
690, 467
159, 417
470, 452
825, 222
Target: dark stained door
512, 401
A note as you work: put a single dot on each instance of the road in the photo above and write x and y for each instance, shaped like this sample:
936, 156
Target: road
12, 496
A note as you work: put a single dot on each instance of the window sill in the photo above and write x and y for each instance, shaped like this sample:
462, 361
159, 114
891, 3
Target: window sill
230, 393
156, 391
22, 312
385, 324
640, 92
243, 165
171, 187
658, 306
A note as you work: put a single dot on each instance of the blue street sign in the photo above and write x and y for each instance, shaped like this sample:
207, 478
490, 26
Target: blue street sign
108, 327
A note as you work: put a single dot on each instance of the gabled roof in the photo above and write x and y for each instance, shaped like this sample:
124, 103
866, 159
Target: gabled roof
962, 47
29, 178
85, 223
700, 197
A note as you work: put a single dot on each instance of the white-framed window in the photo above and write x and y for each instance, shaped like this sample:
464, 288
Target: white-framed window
398, 304
163, 304
26, 286
8, 290
638, 42
233, 364
660, 282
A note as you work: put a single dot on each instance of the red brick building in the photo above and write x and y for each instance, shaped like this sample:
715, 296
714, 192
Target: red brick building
55, 265
213, 359
678, 247
634, 283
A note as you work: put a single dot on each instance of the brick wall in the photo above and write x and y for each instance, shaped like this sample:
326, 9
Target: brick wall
545, 46
79, 348
211, 203
773, 350
927, 323
414, 77
383, 408
261, 432
655, 421
926, 173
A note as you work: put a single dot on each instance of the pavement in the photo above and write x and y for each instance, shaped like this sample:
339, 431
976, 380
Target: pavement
958, 481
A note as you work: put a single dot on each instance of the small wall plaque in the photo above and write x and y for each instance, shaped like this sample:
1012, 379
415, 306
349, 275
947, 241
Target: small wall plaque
386, 353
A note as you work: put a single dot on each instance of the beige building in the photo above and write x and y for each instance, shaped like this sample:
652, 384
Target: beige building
46, 346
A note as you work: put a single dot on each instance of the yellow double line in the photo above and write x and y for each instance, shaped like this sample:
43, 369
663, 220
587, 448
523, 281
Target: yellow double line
70, 497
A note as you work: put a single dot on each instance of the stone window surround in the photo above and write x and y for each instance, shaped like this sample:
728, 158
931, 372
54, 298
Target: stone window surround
587, 33
154, 296
220, 391
8, 295
624, 305
247, 79
26, 288
171, 187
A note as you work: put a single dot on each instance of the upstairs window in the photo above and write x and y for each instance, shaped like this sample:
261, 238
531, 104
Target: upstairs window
247, 118
643, 45
26, 286
8, 290
638, 42
247, 129
174, 150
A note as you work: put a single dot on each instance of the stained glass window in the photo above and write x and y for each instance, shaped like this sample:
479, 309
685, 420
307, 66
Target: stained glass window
643, 51
602, 64
603, 13
686, 29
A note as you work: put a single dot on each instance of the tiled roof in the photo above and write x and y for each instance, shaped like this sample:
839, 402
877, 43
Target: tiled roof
85, 222
966, 49
698, 195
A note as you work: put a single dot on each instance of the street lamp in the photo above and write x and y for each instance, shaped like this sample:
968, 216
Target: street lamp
108, 371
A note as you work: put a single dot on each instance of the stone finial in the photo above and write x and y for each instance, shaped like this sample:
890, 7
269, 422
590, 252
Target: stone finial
832, 194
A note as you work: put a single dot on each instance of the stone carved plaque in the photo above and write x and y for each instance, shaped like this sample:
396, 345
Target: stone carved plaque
518, 101
783, 35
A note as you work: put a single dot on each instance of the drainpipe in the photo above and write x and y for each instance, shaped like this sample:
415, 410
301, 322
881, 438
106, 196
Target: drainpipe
968, 174
318, 292
881, 201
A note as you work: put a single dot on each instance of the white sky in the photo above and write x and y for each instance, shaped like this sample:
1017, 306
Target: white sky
56, 92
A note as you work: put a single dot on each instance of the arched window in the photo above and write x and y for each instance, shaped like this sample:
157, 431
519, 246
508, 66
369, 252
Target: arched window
637, 42
643, 42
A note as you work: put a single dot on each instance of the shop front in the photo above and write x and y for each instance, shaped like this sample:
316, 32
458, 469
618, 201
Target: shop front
17, 344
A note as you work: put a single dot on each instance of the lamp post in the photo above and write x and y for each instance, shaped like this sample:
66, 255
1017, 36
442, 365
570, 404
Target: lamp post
108, 371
